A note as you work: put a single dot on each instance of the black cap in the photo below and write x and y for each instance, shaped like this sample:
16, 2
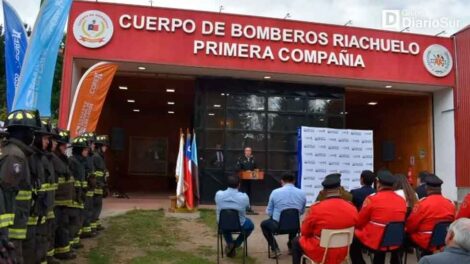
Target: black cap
433, 181
423, 175
386, 178
332, 181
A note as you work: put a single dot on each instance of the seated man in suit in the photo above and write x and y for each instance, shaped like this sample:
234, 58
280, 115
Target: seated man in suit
359, 195
231, 198
331, 213
429, 211
458, 245
286, 197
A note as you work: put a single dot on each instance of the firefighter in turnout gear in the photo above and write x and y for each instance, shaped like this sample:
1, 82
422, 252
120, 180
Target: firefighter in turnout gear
15, 183
35, 244
66, 213
78, 165
89, 185
51, 187
101, 174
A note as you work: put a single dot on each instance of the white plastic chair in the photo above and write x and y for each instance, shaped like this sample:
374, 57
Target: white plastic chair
333, 238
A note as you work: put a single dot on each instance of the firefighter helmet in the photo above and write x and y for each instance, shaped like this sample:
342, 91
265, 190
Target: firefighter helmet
102, 140
80, 142
24, 118
62, 136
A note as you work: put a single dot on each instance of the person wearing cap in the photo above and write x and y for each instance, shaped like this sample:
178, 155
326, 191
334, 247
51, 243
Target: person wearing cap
429, 211
66, 214
101, 173
286, 197
378, 210
345, 195
78, 164
15, 182
421, 189
331, 213
89, 184
359, 195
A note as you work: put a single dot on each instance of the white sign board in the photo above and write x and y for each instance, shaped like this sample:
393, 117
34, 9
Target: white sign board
323, 151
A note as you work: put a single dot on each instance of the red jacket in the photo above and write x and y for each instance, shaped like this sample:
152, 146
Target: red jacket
464, 208
378, 210
425, 215
332, 213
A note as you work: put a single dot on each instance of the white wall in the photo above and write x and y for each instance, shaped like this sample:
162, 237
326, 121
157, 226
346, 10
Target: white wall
444, 141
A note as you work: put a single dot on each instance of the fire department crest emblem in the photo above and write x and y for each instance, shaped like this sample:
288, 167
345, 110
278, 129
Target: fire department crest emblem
93, 29
437, 60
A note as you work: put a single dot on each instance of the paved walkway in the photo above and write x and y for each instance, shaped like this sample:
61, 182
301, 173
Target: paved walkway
257, 246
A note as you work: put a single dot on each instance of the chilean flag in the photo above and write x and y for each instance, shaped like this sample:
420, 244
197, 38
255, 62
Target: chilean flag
188, 177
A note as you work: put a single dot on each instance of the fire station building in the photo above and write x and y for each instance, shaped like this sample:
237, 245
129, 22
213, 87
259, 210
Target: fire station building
252, 81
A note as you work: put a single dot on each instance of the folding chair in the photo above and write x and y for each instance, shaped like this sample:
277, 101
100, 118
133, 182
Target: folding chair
289, 223
229, 221
393, 236
333, 238
438, 239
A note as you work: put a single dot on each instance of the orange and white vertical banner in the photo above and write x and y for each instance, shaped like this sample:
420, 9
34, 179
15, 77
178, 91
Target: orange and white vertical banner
89, 98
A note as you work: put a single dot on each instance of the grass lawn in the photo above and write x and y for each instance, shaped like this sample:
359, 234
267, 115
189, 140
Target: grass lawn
142, 237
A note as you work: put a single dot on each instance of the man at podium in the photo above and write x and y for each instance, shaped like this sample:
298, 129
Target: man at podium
247, 163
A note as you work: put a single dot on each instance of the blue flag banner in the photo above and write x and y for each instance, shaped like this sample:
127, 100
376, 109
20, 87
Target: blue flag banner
35, 84
16, 42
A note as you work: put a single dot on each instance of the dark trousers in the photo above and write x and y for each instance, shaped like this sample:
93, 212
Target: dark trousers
28, 246
247, 227
379, 257
246, 187
87, 215
42, 243
297, 251
76, 223
269, 227
62, 232
51, 227
18, 253
97, 207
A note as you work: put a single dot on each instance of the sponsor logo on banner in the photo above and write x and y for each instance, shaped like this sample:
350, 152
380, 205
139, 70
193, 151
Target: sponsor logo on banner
93, 29
437, 60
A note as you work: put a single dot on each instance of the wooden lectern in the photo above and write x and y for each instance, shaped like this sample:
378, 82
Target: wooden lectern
252, 175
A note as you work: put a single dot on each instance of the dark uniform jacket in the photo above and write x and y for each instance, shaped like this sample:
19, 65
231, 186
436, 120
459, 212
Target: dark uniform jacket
39, 204
245, 163
90, 176
65, 193
15, 188
51, 184
100, 172
78, 169
360, 194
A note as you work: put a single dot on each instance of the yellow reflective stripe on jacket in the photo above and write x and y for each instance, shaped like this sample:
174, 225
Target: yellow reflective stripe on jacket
6, 220
61, 180
45, 187
99, 191
50, 253
86, 229
33, 220
50, 215
99, 173
54, 186
17, 233
77, 184
43, 220
90, 193
63, 202
24, 195
84, 184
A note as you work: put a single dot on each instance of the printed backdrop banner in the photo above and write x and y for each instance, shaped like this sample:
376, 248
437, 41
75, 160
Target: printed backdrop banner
325, 150
89, 98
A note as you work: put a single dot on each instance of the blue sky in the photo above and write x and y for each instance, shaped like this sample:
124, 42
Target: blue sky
362, 13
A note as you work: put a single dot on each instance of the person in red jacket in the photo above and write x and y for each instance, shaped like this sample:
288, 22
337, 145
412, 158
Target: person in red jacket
331, 213
378, 210
464, 211
427, 213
